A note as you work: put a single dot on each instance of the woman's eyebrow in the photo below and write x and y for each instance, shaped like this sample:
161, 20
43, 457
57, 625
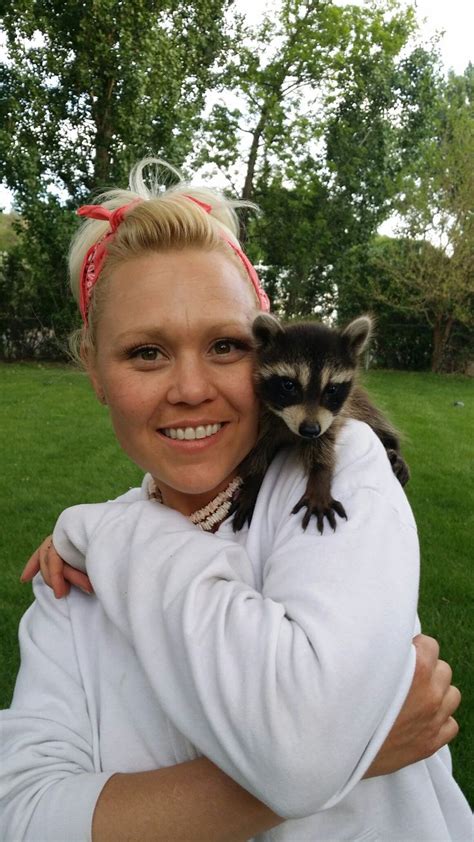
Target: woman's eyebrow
142, 333
158, 331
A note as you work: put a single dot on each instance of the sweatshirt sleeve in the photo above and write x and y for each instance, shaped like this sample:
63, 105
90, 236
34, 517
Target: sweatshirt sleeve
49, 778
291, 690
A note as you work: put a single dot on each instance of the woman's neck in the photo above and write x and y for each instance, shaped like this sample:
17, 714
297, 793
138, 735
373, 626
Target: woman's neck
187, 504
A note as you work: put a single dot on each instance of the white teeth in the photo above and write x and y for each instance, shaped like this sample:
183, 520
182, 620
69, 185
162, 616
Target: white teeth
191, 433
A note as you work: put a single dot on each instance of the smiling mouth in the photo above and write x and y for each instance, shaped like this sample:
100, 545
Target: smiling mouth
191, 433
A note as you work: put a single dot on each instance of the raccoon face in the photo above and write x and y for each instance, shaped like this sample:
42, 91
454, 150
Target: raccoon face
306, 371
307, 409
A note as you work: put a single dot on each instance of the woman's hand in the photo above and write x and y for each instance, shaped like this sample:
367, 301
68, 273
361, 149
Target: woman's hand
425, 722
54, 570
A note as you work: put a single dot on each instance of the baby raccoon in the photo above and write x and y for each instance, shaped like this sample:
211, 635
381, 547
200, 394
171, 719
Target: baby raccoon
306, 379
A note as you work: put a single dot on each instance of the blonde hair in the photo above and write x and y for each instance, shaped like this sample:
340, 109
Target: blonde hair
164, 220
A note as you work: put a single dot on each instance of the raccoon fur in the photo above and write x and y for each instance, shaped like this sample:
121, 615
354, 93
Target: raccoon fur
306, 378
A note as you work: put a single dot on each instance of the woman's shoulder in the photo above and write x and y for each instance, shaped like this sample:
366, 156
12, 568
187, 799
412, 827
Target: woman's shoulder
133, 495
361, 465
359, 454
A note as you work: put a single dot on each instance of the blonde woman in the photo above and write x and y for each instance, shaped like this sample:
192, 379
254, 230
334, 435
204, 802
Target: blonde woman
217, 686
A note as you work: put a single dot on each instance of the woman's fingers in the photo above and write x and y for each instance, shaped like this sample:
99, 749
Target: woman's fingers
33, 564
52, 569
31, 568
449, 731
56, 573
77, 578
450, 703
425, 722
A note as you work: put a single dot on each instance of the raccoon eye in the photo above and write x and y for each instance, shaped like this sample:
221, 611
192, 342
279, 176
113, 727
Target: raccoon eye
288, 386
332, 388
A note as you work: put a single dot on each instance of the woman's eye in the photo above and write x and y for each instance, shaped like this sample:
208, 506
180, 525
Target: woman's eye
228, 347
148, 353
224, 346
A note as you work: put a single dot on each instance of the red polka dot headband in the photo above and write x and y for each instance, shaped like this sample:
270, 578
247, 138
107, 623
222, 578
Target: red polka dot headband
96, 254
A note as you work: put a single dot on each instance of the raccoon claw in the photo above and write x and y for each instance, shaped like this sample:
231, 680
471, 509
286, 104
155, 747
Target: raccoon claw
320, 511
399, 466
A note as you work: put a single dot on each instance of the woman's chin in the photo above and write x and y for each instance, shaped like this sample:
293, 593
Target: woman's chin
193, 492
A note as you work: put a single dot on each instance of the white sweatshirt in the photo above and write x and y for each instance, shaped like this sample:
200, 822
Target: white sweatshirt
282, 655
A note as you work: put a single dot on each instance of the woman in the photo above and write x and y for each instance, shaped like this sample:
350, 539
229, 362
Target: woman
281, 656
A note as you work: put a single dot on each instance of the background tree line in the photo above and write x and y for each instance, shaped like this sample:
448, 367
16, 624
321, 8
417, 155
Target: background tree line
331, 118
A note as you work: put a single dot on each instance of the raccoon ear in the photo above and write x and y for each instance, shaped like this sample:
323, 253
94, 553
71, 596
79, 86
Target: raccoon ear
358, 333
265, 328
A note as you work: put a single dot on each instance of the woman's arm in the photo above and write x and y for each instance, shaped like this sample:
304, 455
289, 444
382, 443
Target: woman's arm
50, 784
49, 779
301, 681
189, 802
195, 801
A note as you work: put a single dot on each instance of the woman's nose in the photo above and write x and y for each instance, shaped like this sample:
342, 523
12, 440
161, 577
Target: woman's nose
192, 383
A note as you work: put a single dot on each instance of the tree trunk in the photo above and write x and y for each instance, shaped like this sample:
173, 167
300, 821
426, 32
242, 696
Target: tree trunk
103, 118
441, 335
247, 192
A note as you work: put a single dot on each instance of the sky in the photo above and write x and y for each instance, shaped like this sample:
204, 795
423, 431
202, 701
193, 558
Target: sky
455, 18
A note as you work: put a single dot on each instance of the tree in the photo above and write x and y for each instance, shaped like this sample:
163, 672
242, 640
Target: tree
327, 106
430, 269
292, 237
402, 337
88, 89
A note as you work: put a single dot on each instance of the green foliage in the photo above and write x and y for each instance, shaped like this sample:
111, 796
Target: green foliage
36, 310
327, 105
61, 451
8, 236
421, 285
386, 277
293, 238
437, 218
329, 117
88, 89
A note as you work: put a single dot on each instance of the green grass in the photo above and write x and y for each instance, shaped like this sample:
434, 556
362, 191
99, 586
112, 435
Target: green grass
58, 449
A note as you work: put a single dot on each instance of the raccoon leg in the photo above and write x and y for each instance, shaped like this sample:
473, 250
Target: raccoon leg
253, 470
399, 466
244, 503
362, 408
319, 460
318, 500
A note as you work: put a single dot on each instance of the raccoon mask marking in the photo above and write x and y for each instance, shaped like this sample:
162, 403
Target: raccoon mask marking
306, 378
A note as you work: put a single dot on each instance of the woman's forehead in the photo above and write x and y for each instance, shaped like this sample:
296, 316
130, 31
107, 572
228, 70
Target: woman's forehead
180, 289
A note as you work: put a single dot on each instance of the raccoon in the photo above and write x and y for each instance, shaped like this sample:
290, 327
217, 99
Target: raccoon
306, 378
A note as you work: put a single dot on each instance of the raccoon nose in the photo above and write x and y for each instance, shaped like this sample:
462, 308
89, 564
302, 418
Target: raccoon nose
309, 431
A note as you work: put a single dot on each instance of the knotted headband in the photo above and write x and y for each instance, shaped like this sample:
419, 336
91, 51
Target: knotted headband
96, 254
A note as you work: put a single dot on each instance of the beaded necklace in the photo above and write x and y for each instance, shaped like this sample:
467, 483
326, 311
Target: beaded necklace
210, 517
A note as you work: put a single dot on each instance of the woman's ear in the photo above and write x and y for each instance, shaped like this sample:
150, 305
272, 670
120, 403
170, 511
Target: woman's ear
89, 363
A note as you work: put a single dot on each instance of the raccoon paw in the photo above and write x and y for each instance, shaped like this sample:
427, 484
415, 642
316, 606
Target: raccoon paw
320, 510
399, 466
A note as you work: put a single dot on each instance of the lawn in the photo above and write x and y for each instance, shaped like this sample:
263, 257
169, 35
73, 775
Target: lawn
58, 449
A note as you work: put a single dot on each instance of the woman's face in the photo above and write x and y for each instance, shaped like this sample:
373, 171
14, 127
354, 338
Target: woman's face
174, 365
